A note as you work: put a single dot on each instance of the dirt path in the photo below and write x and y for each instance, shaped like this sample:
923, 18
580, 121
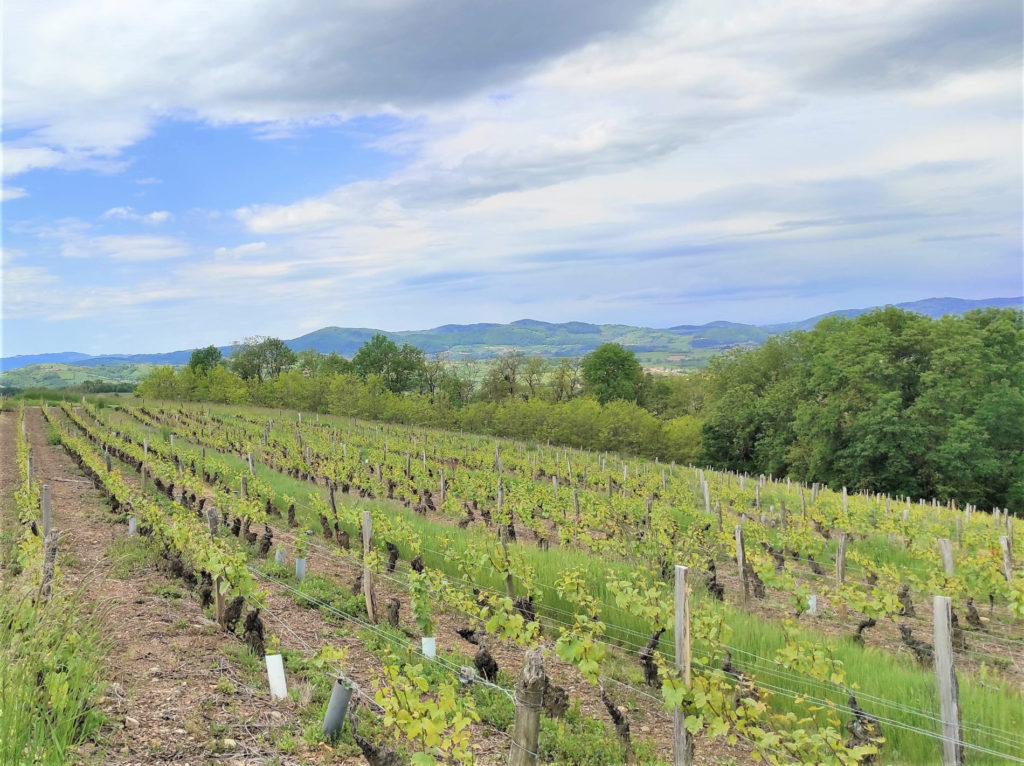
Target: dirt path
174, 695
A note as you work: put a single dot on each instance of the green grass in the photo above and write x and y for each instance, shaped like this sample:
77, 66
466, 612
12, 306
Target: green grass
51, 658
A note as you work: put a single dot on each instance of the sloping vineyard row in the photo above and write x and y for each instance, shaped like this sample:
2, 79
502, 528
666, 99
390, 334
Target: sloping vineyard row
387, 480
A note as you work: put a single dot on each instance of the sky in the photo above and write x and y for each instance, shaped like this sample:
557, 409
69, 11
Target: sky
186, 173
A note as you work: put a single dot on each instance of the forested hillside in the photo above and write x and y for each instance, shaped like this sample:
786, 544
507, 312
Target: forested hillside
888, 401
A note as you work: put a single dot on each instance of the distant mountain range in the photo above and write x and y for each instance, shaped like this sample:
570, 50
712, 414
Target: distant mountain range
682, 346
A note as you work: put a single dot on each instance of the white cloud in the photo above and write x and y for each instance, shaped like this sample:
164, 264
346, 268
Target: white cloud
9, 254
20, 159
12, 192
127, 248
72, 238
240, 251
128, 214
712, 150
93, 78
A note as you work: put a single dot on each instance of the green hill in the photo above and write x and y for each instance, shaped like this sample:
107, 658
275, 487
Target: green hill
682, 347
64, 375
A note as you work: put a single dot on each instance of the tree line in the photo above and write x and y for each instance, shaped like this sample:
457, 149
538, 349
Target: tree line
604, 401
889, 401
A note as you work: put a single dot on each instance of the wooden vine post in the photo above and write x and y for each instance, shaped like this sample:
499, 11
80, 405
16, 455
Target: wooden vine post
529, 699
945, 673
368, 593
510, 587
1004, 543
46, 509
682, 740
841, 570
741, 562
946, 551
49, 562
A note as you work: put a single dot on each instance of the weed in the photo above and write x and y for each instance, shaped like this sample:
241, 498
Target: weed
165, 590
130, 556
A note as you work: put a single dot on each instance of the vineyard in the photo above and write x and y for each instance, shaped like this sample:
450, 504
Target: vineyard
495, 601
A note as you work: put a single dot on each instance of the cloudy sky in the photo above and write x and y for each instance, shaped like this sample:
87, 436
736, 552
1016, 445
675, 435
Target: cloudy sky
183, 173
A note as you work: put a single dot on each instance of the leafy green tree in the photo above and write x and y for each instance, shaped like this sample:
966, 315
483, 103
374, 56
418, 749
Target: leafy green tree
434, 370
312, 363
456, 387
889, 401
161, 383
204, 359
566, 382
261, 358
222, 386
334, 364
535, 370
612, 371
398, 367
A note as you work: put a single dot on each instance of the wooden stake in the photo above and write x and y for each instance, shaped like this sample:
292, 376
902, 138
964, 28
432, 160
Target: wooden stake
682, 740
841, 571
945, 674
368, 592
529, 700
510, 587
46, 510
841, 559
741, 560
1004, 543
49, 562
946, 551
218, 602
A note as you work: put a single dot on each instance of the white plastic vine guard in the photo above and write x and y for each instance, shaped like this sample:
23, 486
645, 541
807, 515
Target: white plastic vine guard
275, 675
429, 646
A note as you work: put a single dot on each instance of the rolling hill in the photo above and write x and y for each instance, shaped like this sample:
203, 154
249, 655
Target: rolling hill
678, 347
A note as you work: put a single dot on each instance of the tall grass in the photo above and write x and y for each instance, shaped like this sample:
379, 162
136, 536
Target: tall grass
50, 676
